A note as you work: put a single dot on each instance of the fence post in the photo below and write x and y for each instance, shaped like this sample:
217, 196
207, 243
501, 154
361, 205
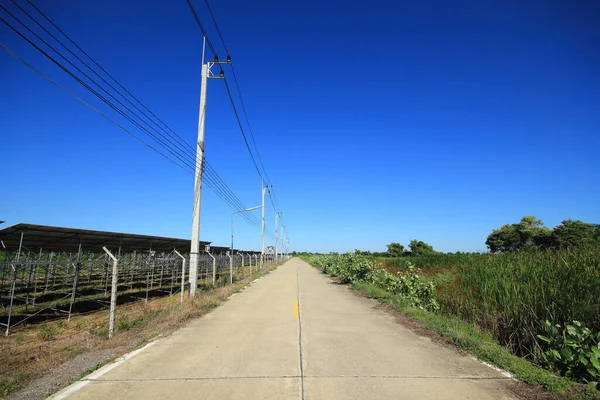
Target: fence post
182, 274
113, 294
14, 283
230, 268
75, 278
214, 263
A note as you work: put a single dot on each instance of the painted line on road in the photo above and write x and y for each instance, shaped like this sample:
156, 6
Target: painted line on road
295, 309
69, 390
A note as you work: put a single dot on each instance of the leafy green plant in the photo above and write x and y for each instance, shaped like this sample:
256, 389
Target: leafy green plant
354, 268
574, 350
124, 324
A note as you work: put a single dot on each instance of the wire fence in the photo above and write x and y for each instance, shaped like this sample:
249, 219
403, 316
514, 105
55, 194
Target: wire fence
36, 288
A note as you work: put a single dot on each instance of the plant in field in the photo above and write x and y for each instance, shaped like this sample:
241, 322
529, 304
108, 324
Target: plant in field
353, 268
574, 350
47, 333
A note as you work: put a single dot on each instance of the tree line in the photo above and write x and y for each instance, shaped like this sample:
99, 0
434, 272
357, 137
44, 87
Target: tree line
530, 233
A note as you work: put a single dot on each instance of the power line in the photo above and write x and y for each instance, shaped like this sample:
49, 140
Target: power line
213, 180
227, 88
237, 117
208, 42
11, 53
87, 76
106, 72
239, 91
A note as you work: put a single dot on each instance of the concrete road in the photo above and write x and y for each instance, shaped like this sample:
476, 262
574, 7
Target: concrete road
294, 335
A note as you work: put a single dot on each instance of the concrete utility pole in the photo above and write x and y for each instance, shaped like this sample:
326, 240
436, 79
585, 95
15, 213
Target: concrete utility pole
262, 233
276, 234
195, 245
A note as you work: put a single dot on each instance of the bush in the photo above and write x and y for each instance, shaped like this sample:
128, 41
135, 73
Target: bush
353, 268
574, 350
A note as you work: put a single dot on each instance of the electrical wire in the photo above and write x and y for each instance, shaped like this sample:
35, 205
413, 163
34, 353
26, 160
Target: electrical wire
213, 180
266, 178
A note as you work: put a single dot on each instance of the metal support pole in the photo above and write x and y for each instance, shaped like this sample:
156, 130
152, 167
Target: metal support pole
75, 278
182, 274
113, 294
12, 290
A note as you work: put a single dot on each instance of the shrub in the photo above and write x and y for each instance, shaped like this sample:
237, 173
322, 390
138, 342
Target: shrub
353, 268
574, 350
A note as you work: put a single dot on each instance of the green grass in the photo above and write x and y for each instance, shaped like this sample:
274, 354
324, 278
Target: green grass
509, 294
471, 339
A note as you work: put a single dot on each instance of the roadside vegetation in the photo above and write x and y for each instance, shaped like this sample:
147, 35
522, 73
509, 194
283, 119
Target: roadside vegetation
536, 296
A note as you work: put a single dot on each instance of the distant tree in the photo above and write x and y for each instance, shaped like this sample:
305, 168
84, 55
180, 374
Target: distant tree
528, 233
395, 250
419, 248
532, 232
575, 233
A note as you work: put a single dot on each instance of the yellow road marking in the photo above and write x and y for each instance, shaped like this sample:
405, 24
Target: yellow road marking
296, 309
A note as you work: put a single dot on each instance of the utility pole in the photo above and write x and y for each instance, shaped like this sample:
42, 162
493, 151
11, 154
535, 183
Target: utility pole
276, 234
262, 233
195, 245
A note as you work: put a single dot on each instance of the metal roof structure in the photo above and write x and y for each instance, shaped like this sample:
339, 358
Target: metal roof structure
53, 238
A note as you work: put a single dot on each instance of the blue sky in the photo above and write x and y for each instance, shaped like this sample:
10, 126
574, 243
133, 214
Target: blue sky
377, 121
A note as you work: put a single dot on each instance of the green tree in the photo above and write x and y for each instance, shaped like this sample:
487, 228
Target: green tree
503, 240
395, 249
528, 233
532, 232
418, 248
574, 233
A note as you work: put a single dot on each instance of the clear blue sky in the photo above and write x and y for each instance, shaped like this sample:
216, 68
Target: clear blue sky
377, 121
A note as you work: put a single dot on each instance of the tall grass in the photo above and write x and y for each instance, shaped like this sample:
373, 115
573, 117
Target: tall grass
510, 294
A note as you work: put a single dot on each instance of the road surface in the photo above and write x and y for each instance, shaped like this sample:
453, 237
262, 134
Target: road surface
294, 335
